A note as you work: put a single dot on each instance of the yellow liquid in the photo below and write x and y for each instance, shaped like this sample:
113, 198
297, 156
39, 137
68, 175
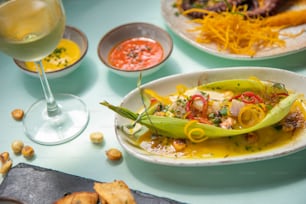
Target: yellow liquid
259, 141
66, 53
30, 29
266, 139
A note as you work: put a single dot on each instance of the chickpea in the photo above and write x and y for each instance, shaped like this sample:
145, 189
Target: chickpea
251, 138
113, 154
96, 137
17, 146
179, 144
28, 152
6, 166
4, 157
17, 114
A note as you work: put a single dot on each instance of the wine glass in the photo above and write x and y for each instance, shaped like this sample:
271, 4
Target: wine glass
29, 31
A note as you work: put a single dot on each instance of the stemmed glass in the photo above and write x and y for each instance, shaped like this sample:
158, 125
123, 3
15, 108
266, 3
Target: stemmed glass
29, 31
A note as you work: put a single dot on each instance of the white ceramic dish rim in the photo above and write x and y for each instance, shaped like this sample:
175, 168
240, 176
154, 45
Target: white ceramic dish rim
66, 70
146, 70
291, 79
179, 25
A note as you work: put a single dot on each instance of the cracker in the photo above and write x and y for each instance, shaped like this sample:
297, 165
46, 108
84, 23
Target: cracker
116, 192
79, 198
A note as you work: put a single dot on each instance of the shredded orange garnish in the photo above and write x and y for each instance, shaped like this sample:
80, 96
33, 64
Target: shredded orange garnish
195, 135
237, 33
250, 115
234, 32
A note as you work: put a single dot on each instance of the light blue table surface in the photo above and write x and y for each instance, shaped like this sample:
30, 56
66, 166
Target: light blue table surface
279, 181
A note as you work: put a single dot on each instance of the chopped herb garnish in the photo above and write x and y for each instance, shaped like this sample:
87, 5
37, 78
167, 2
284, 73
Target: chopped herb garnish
223, 111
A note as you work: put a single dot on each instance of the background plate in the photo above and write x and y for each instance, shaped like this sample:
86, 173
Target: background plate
167, 85
180, 25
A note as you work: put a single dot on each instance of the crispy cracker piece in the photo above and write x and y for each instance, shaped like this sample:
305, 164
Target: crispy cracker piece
116, 192
79, 198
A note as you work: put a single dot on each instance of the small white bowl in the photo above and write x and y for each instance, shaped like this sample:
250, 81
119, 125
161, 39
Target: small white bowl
129, 31
70, 33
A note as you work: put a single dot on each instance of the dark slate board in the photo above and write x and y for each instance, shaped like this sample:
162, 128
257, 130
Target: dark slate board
37, 185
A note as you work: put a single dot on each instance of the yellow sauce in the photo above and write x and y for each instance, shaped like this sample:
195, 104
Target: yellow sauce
261, 140
266, 139
66, 53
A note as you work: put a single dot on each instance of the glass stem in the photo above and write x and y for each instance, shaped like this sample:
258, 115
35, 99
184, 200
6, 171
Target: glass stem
52, 107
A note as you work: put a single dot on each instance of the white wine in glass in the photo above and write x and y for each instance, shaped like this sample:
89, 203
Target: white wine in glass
29, 31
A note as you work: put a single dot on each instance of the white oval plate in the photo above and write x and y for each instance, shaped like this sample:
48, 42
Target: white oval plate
167, 85
180, 25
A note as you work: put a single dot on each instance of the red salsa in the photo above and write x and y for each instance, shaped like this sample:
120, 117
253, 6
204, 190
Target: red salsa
136, 54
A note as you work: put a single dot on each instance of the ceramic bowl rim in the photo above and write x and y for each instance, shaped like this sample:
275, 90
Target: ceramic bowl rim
84, 39
154, 27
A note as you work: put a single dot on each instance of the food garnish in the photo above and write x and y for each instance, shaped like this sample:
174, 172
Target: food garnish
240, 29
238, 108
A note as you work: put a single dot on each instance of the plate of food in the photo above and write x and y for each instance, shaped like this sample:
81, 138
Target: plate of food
248, 31
215, 117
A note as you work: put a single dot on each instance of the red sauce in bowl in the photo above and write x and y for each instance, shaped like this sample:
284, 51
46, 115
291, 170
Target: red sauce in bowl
136, 54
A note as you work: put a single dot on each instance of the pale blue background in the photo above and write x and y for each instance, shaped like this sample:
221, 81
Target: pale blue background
277, 181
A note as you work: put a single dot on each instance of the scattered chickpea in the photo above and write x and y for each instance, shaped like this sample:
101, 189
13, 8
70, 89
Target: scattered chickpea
6, 167
113, 154
96, 137
28, 152
17, 114
17, 146
4, 157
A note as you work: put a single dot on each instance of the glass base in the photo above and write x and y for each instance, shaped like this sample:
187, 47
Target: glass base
58, 129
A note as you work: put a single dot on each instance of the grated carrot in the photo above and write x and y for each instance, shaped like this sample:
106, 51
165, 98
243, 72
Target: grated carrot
195, 135
234, 32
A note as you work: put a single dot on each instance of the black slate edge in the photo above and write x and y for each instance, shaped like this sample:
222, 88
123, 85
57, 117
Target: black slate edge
37, 185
